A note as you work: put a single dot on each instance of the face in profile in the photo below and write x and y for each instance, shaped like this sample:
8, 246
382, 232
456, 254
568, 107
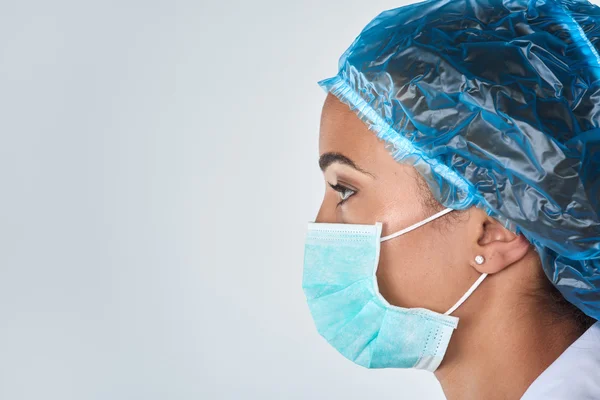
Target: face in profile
363, 185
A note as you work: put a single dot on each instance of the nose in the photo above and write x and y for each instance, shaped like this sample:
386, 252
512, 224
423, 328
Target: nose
327, 211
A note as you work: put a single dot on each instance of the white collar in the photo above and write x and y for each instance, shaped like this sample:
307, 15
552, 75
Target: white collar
574, 375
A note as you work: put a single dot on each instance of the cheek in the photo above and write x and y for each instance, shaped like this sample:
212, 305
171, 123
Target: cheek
410, 272
367, 207
397, 206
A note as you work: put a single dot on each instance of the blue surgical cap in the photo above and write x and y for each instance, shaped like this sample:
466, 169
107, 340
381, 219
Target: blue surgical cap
497, 104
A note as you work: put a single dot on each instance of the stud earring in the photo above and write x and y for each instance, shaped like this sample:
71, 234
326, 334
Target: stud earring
479, 260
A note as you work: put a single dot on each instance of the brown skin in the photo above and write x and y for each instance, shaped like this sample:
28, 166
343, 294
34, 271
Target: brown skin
504, 339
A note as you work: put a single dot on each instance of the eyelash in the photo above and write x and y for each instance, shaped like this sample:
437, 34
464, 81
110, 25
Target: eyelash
342, 189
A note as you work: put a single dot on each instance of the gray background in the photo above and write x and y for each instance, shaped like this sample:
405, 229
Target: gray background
158, 166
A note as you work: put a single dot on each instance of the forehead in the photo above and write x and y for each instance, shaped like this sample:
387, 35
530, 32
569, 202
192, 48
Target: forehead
342, 131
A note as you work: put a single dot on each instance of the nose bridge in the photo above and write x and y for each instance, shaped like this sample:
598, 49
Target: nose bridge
321, 213
327, 210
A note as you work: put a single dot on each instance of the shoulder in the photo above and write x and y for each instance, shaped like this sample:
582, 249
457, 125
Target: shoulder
574, 375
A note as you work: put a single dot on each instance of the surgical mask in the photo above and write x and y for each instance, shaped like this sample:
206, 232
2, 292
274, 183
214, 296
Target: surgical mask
340, 284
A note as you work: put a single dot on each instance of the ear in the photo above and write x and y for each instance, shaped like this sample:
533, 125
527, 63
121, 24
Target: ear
499, 247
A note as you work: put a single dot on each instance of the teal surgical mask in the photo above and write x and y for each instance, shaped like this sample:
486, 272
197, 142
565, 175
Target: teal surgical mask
340, 284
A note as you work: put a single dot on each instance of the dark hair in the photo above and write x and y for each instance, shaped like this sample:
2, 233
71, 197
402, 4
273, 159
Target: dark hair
546, 293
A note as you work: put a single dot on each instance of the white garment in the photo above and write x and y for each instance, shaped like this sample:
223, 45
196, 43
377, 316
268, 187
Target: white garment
574, 375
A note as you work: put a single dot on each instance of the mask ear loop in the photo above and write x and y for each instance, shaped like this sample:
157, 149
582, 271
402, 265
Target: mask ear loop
418, 224
466, 295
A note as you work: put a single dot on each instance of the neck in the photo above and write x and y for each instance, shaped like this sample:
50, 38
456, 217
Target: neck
503, 350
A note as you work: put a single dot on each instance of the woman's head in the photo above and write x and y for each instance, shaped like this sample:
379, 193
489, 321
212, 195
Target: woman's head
434, 265
494, 104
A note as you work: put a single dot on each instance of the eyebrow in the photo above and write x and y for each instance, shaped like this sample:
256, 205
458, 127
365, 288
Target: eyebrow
327, 159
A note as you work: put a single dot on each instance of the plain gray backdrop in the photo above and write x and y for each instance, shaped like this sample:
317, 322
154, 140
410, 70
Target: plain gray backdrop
158, 166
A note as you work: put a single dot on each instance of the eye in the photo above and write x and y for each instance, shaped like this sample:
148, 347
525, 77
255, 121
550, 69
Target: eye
344, 192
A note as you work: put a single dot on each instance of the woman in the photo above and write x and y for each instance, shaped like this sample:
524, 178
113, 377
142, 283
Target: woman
460, 144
